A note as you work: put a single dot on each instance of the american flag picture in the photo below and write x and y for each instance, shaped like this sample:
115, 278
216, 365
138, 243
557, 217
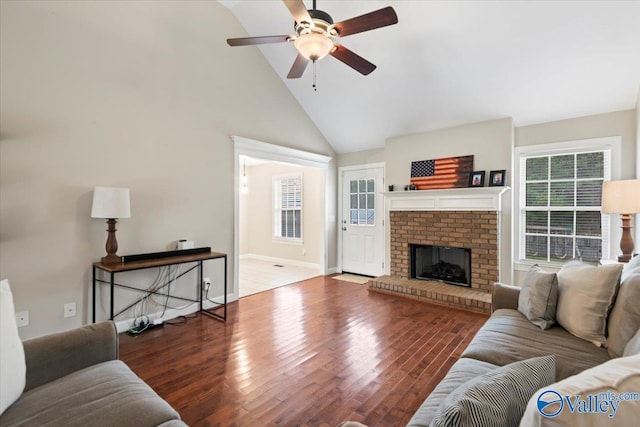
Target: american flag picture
447, 172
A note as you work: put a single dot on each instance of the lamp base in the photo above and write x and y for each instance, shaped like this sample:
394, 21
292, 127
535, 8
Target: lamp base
112, 244
111, 259
624, 258
626, 241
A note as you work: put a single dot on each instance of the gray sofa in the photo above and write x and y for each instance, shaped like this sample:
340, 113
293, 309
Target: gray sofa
74, 379
509, 337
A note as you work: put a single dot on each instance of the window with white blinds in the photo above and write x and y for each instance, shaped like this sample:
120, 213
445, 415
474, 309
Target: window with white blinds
560, 196
287, 222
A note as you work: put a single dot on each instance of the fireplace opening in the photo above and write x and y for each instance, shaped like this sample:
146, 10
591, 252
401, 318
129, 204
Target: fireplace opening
444, 263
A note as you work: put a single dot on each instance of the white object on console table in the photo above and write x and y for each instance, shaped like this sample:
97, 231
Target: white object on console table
455, 199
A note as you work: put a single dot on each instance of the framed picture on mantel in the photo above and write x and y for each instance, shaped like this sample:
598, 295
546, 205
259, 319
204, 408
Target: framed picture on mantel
476, 179
496, 178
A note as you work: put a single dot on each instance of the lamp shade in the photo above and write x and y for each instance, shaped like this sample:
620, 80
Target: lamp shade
622, 197
110, 202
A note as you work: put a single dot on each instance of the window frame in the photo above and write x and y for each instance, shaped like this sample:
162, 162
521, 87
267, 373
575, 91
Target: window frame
368, 195
277, 208
611, 144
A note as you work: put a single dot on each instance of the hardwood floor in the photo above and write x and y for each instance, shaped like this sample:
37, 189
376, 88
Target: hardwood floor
313, 353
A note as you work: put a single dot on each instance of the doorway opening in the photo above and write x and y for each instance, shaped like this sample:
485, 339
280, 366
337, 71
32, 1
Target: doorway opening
280, 224
262, 174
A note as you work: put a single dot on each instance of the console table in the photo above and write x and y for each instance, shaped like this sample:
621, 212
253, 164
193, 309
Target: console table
113, 269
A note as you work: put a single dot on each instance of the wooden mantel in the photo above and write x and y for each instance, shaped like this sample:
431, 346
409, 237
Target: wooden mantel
456, 199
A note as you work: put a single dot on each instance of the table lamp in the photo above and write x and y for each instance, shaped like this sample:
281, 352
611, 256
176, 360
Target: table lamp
111, 203
622, 197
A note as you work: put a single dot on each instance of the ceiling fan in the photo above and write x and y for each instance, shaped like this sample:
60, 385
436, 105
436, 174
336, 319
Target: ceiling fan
317, 36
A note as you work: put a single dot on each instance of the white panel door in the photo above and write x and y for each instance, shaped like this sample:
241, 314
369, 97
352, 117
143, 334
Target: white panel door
362, 222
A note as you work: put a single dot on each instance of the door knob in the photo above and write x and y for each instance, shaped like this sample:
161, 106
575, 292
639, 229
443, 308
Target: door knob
344, 228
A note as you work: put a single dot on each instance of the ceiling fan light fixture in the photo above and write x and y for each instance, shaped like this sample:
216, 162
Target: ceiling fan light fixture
313, 46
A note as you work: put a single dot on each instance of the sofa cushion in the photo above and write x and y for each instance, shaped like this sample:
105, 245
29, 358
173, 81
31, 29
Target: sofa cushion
585, 296
620, 375
508, 337
624, 320
106, 394
498, 398
462, 371
633, 346
538, 297
12, 363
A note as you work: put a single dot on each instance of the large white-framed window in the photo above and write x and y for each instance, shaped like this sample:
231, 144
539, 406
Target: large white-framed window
559, 190
287, 204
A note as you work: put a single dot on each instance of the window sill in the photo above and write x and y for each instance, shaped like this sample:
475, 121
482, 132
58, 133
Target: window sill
525, 265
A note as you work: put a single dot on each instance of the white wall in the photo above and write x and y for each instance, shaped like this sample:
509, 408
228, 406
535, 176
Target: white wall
637, 240
243, 217
491, 144
619, 123
638, 135
136, 94
361, 158
258, 206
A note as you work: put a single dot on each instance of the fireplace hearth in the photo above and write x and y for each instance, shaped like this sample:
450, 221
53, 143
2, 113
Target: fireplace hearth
448, 264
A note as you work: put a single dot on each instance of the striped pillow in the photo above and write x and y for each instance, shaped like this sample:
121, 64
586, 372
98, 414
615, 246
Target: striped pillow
497, 398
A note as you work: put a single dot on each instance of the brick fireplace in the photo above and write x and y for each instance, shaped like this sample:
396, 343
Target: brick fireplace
475, 230
459, 218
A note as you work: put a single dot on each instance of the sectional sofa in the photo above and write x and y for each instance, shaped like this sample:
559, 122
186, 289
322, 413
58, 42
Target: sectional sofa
71, 379
585, 361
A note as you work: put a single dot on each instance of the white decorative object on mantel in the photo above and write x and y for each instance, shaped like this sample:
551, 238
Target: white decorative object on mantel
455, 199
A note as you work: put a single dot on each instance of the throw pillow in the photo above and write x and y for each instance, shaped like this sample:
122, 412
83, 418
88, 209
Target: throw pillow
538, 297
13, 368
589, 398
585, 296
633, 346
624, 320
497, 398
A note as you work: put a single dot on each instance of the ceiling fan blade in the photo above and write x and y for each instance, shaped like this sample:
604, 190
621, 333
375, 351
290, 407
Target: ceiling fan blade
298, 67
368, 21
247, 41
353, 60
298, 10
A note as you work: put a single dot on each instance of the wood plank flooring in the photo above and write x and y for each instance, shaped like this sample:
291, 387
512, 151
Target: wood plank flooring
314, 353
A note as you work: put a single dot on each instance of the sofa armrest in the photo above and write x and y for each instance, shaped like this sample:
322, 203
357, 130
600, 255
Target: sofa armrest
53, 356
504, 296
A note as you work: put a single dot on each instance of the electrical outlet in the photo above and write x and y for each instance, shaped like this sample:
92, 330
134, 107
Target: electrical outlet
70, 309
22, 318
206, 282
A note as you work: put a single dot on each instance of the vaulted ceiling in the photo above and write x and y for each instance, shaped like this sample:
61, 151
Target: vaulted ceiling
453, 62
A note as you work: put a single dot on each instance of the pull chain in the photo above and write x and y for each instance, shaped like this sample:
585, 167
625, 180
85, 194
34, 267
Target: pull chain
315, 88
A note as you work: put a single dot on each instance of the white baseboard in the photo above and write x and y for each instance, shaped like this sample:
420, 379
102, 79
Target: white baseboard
281, 261
332, 270
172, 313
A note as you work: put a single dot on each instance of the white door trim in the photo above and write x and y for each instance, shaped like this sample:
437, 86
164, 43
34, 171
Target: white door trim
263, 150
341, 171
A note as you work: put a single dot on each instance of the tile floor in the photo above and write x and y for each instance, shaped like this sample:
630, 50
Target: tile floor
258, 275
